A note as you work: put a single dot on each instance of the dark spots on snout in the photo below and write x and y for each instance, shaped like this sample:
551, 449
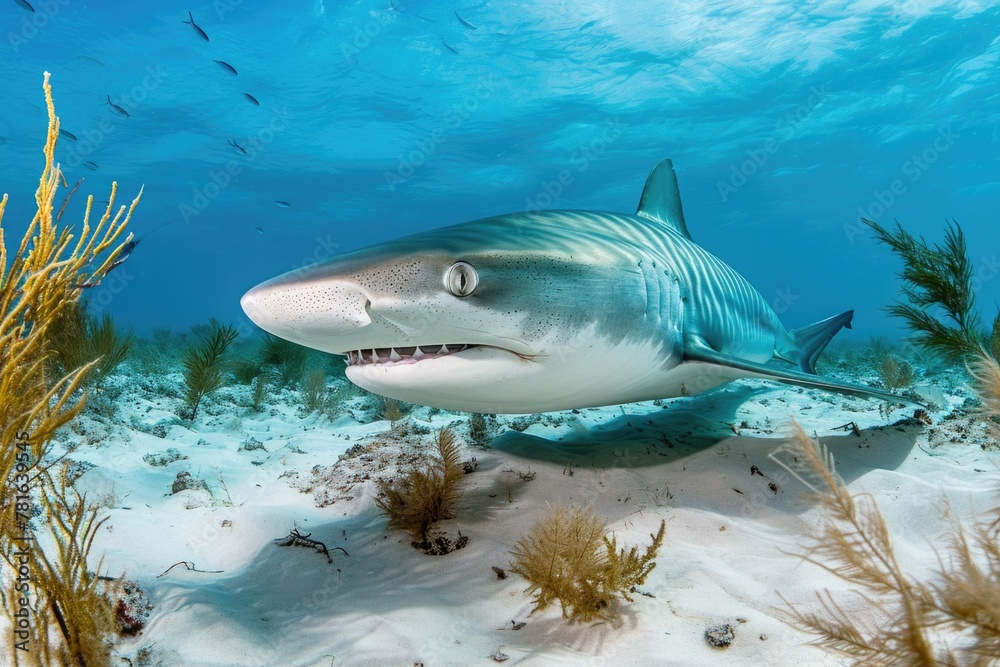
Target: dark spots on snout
395, 278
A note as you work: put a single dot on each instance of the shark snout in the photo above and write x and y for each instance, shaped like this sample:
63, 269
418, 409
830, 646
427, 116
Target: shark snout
308, 313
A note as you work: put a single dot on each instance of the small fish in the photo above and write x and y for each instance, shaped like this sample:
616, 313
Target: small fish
119, 260
226, 66
126, 251
92, 61
117, 109
464, 22
24, 4
195, 27
239, 149
253, 100
260, 230
67, 134
588, 24
393, 4
91, 165
449, 46
282, 204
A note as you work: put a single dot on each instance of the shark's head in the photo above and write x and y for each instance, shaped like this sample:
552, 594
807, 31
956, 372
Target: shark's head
514, 314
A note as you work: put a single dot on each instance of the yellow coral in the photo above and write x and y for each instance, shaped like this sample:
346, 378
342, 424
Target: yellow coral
35, 287
425, 495
899, 619
563, 561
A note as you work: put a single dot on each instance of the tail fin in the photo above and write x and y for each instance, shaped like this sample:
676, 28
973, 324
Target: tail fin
810, 341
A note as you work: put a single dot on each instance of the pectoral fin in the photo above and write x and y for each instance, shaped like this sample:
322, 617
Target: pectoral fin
751, 369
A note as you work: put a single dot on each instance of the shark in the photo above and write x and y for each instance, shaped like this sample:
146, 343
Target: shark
546, 310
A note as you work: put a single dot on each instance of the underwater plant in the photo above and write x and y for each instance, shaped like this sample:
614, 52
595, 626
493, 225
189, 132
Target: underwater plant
259, 393
246, 371
147, 358
287, 357
896, 618
985, 372
78, 338
994, 346
936, 278
389, 408
313, 390
482, 428
334, 403
425, 495
38, 282
895, 373
567, 557
203, 365
77, 599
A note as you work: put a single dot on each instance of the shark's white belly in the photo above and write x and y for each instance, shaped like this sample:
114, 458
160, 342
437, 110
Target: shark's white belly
582, 372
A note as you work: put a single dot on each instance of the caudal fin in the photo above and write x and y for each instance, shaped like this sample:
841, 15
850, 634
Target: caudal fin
811, 340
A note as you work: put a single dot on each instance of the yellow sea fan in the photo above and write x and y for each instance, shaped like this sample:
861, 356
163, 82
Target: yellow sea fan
71, 616
567, 558
986, 373
426, 494
896, 619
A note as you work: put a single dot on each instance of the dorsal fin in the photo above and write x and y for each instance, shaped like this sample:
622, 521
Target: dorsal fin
661, 199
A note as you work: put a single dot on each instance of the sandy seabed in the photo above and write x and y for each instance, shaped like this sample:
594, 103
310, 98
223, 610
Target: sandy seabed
737, 523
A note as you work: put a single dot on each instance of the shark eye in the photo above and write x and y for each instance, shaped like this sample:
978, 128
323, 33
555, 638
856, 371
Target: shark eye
461, 279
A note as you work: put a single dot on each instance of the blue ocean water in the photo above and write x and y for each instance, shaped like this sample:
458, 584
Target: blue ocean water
786, 123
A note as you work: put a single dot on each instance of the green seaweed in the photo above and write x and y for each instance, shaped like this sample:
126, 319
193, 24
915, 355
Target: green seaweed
313, 390
78, 338
288, 358
245, 371
203, 365
936, 280
259, 393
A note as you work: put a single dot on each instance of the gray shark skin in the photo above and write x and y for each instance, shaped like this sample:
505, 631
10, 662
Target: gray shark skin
542, 311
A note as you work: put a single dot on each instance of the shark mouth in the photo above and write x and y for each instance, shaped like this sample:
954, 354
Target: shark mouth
402, 355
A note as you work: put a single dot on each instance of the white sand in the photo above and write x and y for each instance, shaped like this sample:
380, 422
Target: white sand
725, 559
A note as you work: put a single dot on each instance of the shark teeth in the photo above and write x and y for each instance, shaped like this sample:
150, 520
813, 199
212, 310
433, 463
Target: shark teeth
389, 356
